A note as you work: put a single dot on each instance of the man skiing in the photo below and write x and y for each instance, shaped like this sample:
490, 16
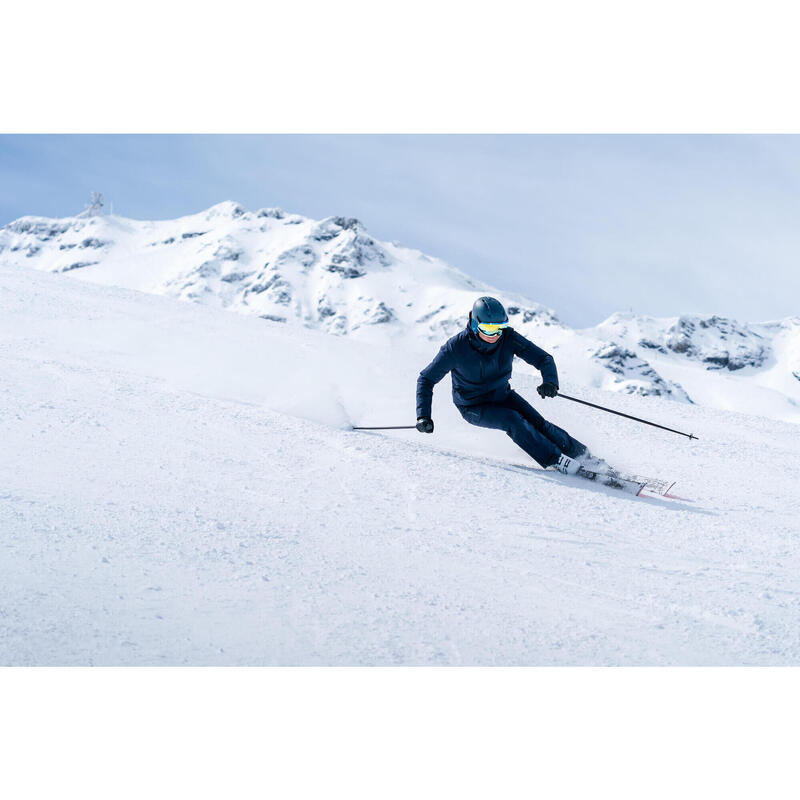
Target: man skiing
480, 359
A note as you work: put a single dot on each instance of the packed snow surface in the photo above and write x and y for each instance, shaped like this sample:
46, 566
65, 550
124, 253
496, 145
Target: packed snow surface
179, 485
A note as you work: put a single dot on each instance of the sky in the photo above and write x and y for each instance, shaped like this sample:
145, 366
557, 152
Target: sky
585, 224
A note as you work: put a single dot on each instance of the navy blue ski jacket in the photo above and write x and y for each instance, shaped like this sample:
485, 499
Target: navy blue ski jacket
480, 370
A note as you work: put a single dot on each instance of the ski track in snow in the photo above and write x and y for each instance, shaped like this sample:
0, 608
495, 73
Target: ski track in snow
178, 486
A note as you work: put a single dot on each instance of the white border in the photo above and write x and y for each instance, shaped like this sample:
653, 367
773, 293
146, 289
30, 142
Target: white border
400, 733
420, 66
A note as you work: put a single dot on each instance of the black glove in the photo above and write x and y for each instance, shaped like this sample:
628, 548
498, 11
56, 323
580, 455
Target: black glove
424, 424
547, 390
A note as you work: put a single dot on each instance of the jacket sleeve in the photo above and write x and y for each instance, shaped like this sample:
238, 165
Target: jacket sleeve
430, 376
536, 357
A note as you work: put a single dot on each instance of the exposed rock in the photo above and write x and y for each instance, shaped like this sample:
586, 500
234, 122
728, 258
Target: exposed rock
274, 213
235, 277
380, 314
228, 252
302, 255
92, 243
281, 293
325, 231
431, 314
636, 376
43, 229
263, 285
355, 253
650, 345
208, 269
338, 325
543, 316
718, 342
341, 264
277, 288
77, 265
332, 227
346, 223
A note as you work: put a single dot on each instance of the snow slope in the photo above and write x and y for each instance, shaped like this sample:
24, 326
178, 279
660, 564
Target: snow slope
178, 486
331, 275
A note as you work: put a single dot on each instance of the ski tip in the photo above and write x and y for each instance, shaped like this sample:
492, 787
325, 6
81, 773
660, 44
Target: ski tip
678, 497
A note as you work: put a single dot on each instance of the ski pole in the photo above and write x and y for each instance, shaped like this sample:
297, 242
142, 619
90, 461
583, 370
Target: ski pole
385, 428
628, 416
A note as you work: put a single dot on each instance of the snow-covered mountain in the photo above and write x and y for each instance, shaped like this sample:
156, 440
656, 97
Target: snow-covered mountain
712, 360
331, 275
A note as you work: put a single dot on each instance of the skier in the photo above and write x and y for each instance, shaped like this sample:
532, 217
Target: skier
480, 358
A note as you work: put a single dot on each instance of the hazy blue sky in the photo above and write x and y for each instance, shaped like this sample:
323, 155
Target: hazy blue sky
587, 225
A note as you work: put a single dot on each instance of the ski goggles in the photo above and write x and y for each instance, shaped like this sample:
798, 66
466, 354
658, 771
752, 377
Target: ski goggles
491, 328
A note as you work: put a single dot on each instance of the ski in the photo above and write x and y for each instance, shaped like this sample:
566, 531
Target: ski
650, 485
602, 467
613, 481
654, 485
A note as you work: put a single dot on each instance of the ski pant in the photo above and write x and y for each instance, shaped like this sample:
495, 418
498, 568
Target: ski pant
540, 439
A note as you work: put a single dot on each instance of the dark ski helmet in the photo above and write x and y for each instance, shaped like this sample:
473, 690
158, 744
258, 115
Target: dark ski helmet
488, 316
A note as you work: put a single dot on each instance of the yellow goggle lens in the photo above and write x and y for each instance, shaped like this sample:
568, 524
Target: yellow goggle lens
491, 328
